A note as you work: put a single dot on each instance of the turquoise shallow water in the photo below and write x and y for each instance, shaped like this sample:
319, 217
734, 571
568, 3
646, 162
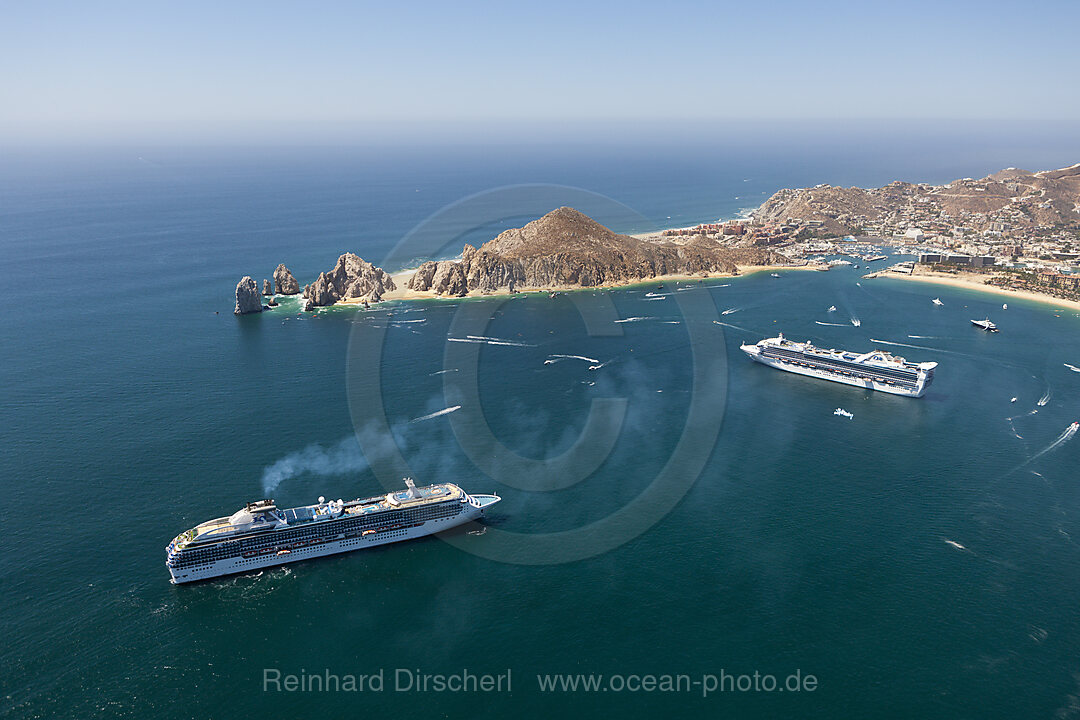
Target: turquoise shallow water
807, 542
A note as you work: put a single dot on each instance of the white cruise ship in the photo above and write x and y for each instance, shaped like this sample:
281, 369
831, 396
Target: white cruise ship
260, 535
874, 370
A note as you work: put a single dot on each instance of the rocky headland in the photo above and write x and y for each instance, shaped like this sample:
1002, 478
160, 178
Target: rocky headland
352, 280
562, 250
566, 249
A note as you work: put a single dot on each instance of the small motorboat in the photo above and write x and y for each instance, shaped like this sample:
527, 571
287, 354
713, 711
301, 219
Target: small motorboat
937, 301
843, 413
985, 325
832, 308
1004, 306
775, 275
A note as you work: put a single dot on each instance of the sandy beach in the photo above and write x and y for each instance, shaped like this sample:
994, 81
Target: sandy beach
973, 282
402, 292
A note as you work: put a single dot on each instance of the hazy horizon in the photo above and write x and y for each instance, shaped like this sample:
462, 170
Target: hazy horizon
992, 137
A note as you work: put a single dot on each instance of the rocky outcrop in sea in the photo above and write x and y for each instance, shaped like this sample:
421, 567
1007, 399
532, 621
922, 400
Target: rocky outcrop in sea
284, 282
248, 299
566, 248
351, 279
268, 293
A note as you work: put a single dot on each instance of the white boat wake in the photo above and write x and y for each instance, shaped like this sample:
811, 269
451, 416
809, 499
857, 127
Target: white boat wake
1072, 367
633, 319
479, 340
918, 347
556, 358
843, 413
955, 544
1012, 427
855, 321
656, 295
1033, 411
831, 324
1061, 440
445, 411
730, 310
1045, 398
735, 327
442, 372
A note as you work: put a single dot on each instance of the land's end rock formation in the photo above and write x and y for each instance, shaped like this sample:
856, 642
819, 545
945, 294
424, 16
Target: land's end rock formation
247, 297
284, 282
566, 248
268, 293
351, 278
443, 277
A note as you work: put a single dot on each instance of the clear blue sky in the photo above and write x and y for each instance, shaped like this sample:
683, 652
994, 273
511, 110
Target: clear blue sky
235, 69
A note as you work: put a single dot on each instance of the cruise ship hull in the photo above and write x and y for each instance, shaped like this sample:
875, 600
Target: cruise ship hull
863, 382
330, 545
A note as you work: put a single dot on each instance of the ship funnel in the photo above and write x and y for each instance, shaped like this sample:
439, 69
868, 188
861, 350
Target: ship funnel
412, 488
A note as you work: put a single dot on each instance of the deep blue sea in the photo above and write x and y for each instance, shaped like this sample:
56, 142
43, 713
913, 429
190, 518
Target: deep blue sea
670, 509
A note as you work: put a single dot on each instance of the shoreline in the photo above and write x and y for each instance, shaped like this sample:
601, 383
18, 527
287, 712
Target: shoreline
403, 293
971, 284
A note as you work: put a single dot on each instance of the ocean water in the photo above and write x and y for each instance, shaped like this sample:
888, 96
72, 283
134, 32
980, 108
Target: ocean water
918, 559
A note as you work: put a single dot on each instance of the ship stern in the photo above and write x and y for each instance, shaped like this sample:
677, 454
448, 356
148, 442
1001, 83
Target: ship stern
926, 376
